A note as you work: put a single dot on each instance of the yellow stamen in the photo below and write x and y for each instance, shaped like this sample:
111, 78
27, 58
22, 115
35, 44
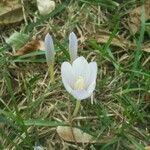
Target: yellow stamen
79, 84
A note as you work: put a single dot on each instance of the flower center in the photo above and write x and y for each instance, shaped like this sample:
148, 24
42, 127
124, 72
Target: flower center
79, 84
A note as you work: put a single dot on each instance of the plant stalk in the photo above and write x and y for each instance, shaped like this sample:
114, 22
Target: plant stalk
77, 107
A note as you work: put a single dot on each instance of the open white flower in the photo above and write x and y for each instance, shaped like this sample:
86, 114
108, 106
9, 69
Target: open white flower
73, 46
79, 78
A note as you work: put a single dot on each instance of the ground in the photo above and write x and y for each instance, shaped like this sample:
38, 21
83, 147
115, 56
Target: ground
32, 107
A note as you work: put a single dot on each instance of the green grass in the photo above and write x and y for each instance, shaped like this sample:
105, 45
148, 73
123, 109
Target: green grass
31, 107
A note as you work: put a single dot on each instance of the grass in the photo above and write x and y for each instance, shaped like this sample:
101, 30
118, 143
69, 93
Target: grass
31, 107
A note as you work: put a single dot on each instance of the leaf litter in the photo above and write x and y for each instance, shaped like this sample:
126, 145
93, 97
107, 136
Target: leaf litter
57, 113
10, 12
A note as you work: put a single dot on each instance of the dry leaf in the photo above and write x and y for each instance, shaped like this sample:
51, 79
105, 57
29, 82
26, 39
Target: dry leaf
76, 135
146, 46
134, 16
30, 47
119, 41
10, 12
147, 98
147, 148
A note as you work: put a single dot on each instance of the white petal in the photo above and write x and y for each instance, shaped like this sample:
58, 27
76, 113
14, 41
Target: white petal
93, 73
91, 87
45, 7
80, 67
73, 46
67, 76
81, 94
49, 49
38, 148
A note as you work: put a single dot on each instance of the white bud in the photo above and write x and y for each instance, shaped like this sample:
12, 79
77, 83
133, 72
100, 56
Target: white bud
38, 148
49, 49
73, 46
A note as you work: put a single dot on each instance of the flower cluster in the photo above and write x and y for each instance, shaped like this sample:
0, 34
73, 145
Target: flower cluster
79, 76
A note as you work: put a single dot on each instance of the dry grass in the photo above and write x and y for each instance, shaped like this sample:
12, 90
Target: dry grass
120, 115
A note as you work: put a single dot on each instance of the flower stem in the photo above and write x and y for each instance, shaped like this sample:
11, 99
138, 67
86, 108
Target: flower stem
78, 103
51, 72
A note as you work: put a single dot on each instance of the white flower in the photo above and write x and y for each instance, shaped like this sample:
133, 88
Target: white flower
49, 49
45, 6
73, 46
38, 148
79, 78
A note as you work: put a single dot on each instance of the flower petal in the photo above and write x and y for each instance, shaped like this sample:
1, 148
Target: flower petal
49, 47
38, 148
91, 87
81, 94
93, 73
67, 76
80, 67
73, 46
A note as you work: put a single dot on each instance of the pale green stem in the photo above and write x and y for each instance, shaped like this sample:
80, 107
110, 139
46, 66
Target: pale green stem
78, 103
51, 72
